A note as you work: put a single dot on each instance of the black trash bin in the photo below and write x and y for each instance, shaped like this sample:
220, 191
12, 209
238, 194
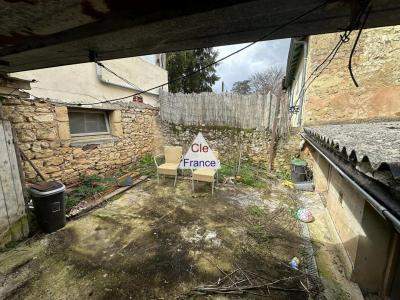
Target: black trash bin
49, 205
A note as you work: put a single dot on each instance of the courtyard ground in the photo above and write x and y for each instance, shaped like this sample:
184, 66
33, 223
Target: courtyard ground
160, 242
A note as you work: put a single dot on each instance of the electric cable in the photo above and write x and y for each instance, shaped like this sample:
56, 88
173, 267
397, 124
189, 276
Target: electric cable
355, 45
119, 76
343, 38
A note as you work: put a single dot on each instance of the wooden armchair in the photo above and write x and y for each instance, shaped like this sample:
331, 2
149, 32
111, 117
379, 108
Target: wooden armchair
206, 175
173, 156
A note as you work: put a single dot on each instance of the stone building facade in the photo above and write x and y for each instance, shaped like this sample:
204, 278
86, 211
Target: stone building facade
333, 97
43, 133
344, 131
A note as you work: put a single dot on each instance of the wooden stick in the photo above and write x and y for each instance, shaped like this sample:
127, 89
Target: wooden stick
245, 275
223, 278
272, 145
215, 265
31, 163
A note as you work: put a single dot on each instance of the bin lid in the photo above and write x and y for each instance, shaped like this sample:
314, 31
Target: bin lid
299, 162
46, 188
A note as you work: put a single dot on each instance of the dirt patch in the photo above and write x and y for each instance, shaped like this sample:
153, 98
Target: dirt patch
160, 242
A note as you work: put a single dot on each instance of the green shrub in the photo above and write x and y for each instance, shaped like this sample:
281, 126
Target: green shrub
226, 170
146, 165
283, 173
248, 176
90, 185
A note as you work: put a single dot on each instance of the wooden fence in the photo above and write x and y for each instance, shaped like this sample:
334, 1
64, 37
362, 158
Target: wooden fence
12, 204
232, 110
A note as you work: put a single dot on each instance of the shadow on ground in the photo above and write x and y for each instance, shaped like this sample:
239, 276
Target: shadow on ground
159, 242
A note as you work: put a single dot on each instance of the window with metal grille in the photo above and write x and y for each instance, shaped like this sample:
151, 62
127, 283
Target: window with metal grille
88, 122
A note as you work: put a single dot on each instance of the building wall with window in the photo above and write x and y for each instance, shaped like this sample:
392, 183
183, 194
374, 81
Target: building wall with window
65, 142
88, 82
332, 97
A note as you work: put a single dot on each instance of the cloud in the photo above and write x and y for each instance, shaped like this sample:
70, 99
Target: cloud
253, 59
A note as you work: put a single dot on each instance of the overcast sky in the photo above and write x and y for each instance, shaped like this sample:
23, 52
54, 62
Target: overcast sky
253, 59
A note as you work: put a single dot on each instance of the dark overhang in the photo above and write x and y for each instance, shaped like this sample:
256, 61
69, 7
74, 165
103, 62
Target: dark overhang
41, 33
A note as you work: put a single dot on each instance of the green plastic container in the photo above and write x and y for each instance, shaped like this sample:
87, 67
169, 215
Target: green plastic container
298, 170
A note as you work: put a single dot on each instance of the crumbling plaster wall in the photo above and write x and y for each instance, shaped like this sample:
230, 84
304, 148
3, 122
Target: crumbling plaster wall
333, 98
42, 130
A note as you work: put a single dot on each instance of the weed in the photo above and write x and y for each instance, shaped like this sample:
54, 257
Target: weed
256, 211
71, 201
258, 233
226, 170
247, 174
90, 185
9, 246
283, 173
146, 165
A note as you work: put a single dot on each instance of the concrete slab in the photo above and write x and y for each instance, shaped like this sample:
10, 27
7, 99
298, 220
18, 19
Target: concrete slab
158, 242
329, 252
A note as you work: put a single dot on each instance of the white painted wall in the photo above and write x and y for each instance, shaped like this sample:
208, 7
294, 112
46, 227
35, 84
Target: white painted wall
295, 91
79, 83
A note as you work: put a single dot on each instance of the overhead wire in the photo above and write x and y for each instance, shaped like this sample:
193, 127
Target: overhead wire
343, 38
119, 76
355, 45
221, 59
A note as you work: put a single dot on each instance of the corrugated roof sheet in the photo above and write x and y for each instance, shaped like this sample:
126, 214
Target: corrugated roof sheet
373, 148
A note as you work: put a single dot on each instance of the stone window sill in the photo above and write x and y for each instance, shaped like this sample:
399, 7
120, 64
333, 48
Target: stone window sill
79, 141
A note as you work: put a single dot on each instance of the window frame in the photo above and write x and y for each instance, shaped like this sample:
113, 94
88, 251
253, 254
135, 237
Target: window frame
106, 120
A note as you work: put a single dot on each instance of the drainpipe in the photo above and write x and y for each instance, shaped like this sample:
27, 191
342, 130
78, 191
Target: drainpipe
303, 79
358, 183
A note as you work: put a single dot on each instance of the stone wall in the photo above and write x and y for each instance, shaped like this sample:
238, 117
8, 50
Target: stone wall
42, 130
227, 141
333, 98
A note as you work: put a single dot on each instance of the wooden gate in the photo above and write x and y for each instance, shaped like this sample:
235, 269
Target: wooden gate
13, 219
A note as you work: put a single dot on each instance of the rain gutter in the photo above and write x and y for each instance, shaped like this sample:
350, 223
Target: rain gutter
375, 193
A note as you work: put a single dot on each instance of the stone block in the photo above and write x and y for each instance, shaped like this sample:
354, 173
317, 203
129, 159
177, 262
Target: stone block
44, 117
52, 169
78, 153
116, 130
44, 153
47, 134
64, 131
42, 110
54, 161
24, 146
61, 113
16, 118
115, 116
26, 136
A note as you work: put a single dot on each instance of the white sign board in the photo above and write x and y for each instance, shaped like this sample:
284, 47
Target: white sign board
199, 156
